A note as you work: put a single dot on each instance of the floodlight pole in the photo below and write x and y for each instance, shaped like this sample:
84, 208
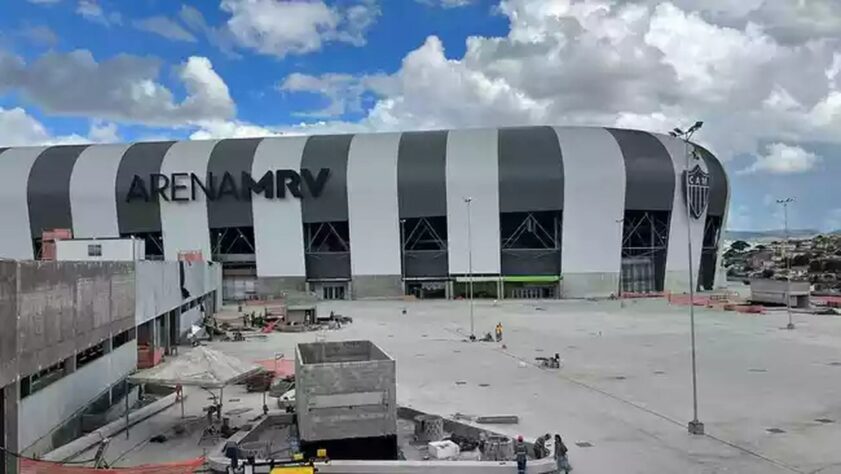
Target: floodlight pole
785, 202
695, 426
467, 201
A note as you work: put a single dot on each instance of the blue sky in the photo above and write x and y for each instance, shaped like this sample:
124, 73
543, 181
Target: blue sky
764, 75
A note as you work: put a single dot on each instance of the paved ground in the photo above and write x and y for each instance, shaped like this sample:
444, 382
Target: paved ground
625, 385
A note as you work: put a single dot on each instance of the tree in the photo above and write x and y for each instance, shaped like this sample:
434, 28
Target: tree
740, 245
767, 273
800, 260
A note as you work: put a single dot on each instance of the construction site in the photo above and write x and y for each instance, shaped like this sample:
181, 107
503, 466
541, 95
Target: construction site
400, 386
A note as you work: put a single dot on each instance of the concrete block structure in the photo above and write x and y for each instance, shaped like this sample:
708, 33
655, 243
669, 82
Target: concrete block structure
346, 399
70, 335
774, 292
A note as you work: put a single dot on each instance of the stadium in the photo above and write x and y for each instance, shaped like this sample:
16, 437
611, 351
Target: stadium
527, 212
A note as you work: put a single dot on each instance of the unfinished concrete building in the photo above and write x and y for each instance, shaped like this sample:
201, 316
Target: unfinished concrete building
773, 292
346, 399
71, 332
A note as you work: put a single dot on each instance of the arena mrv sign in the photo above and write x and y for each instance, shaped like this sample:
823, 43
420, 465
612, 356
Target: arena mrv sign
187, 186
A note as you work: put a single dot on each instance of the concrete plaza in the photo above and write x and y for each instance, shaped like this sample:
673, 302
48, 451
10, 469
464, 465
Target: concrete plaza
625, 385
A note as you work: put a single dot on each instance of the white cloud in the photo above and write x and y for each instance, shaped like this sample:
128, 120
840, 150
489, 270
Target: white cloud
123, 88
104, 132
18, 128
343, 92
647, 64
92, 11
783, 159
43, 2
165, 27
220, 37
280, 27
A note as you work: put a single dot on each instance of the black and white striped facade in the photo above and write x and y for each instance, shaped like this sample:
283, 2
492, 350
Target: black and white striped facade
578, 203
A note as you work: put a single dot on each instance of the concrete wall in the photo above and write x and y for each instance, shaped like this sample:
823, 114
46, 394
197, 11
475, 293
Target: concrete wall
8, 321
353, 398
774, 292
64, 307
45, 410
159, 286
376, 286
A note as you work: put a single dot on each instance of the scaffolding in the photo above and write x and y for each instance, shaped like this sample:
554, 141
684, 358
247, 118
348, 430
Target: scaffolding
645, 240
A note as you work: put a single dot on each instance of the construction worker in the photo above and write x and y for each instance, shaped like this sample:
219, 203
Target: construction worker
520, 455
499, 332
561, 455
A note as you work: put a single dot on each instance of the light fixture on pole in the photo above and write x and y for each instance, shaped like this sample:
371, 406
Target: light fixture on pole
468, 200
695, 426
785, 202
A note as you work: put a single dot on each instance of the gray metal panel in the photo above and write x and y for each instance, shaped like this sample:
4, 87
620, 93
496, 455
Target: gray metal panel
331, 152
422, 174
718, 183
426, 263
235, 156
528, 262
140, 159
531, 170
650, 184
328, 265
48, 189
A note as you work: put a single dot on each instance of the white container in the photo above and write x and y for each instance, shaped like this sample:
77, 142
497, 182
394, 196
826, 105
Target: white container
443, 449
97, 250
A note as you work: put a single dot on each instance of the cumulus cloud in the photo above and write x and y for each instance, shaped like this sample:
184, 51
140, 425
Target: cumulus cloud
123, 88
220, 37
18, 128
647, 64
783, 159
344, 92
165, 27
279, 28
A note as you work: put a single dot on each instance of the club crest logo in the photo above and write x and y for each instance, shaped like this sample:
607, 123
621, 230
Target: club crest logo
697, 190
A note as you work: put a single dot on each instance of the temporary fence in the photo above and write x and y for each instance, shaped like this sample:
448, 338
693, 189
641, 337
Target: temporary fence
31, 466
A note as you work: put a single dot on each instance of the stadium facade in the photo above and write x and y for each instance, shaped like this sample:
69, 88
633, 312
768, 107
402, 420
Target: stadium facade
550, 211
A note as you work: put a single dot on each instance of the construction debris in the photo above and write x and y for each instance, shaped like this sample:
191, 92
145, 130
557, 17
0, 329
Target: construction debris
498, 420
259, 382
553, 362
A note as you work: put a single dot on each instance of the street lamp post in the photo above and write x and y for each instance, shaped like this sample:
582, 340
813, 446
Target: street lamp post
403, 254
467, 202
621, 223
694, 426
785, 202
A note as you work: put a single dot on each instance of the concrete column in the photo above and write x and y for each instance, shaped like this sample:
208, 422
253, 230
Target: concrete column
70, 365
499, 289
448, 293
108, 345
154, 337
166, 333
10, 396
